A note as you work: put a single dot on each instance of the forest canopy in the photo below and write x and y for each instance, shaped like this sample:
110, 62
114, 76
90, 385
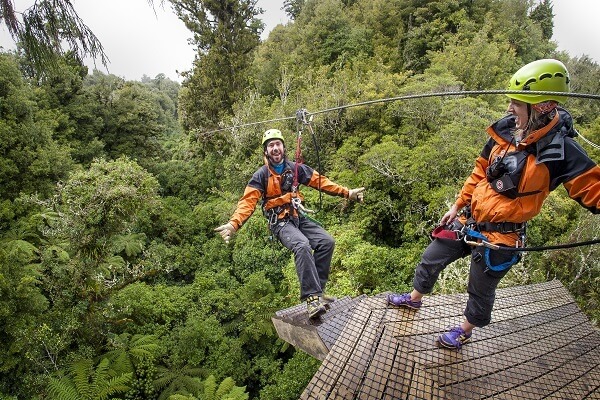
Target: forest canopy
113, 282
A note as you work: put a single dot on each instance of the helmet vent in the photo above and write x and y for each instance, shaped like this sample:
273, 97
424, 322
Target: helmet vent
546, 75
528, 82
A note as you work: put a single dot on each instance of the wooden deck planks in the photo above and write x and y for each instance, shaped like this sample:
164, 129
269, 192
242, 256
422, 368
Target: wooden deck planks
539, 345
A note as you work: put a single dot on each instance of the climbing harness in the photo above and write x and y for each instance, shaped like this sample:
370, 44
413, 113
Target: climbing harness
470, 233
288, 204
466, 233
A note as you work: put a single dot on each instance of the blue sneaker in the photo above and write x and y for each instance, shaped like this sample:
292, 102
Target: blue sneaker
403, 300
454, 339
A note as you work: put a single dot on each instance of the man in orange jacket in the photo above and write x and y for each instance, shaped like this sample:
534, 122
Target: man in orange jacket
277, 184
530, 153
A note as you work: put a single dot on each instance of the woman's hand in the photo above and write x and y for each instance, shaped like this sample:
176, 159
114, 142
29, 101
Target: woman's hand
450, 215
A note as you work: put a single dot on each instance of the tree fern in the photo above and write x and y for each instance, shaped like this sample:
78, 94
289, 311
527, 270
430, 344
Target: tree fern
118, 384
81, 372
225, 391
179, 381
128, 350
131, 244
85, 382
210, 387
20, 249
225, 387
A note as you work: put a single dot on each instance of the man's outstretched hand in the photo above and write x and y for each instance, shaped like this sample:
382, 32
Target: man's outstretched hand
226, 231
356, 194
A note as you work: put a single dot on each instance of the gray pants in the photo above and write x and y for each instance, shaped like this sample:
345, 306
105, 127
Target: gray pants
313, 249
482, 282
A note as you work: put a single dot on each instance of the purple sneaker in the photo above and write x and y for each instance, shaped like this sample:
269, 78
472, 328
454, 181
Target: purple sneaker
403, 300
454, 339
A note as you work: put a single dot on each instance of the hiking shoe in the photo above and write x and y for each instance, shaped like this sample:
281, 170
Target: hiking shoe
314, 307
403, 300
326, 300
455, 338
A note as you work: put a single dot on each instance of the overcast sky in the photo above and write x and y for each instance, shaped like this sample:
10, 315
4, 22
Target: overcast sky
140, 42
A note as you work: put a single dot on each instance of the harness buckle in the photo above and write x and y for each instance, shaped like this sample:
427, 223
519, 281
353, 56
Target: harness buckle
296, 202
273, 218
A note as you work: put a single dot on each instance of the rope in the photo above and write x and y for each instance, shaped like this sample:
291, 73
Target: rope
543, 248
408, 97
302, 120
316, 144
594, 145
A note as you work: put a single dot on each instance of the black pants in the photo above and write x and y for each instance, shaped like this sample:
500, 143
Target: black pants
482, 282
313, 249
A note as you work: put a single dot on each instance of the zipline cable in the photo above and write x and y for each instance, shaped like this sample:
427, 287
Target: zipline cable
594, 145
535, 248
409, 97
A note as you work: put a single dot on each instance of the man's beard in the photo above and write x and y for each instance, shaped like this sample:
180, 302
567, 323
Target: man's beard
281, 157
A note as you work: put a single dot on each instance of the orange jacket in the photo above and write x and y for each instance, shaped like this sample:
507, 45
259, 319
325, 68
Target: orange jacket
266, 184
555, 158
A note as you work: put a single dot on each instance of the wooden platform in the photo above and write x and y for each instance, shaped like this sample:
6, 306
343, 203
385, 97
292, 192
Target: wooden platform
539, 346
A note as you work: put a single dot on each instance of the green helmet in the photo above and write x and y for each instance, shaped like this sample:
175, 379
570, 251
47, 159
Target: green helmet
272, 134
546, 75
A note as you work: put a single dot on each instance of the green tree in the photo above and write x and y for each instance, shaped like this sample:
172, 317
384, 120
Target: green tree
134, 354
289, 383
225, 34
22, 308
127, 350
98, 208
293, 7
490, 62
525, 35
182, 381
542, 14
32, 161
135, 124
75, 114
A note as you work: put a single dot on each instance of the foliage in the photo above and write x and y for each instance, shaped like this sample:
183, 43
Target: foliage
226, 390
293, 378
46, 28
225, 33
112, 278
86, 382
32, 161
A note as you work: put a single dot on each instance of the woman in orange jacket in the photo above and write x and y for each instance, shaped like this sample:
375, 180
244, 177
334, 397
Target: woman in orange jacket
530, 153
277, 183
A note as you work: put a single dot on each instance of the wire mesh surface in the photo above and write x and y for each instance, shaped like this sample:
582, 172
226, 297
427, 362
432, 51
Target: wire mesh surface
539, 345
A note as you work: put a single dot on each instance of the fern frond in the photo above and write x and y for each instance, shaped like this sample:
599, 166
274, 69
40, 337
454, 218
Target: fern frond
225, 387
132, 244
166, 377
210, 388
118, 384
20, 249
62, 389
81, 372
237, 393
